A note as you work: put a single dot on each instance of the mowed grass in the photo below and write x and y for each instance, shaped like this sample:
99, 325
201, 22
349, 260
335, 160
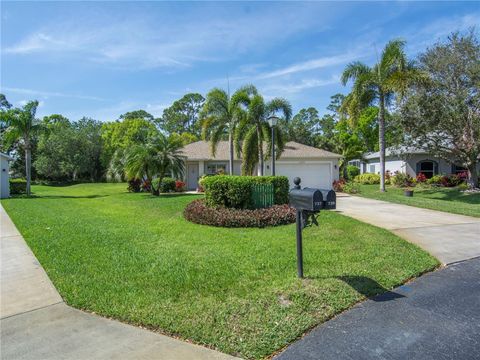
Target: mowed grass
443, 199
133, 257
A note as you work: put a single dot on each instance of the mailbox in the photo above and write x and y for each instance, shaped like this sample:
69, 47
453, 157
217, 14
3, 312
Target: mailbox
306, 199
329, 199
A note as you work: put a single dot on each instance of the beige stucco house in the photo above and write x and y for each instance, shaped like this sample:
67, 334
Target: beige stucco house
316, 167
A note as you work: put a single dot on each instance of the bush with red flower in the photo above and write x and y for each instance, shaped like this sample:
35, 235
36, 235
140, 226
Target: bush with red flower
179, 186
421, 178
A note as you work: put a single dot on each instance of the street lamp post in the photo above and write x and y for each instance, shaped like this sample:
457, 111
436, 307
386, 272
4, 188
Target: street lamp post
273, 121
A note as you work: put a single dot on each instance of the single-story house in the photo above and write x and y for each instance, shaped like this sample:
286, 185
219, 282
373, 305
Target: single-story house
407, 160
4, 176
316, 167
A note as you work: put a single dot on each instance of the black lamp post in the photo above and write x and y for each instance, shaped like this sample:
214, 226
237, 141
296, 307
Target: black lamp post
273, 121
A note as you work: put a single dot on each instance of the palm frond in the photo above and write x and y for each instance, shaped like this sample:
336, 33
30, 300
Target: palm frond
353, 71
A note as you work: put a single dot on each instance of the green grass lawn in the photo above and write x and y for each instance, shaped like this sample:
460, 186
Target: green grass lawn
442, 199
134, 258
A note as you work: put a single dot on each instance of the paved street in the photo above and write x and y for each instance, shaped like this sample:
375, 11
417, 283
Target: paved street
435, 317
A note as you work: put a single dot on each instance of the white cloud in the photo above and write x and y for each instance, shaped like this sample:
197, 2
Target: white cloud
49, 93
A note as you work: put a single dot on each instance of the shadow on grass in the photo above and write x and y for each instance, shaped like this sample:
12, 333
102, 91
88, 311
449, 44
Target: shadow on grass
452, 195
369, 287
33, 196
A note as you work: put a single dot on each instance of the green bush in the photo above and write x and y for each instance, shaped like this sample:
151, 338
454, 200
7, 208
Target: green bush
402, 180
351, 188
435, 180
167, 185
18, 186
352, 172
236, 191
369, 179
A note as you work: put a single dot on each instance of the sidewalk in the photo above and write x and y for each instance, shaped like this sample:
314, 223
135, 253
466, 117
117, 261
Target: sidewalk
36, 323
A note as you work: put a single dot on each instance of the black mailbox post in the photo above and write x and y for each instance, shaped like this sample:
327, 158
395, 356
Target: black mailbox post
308, 202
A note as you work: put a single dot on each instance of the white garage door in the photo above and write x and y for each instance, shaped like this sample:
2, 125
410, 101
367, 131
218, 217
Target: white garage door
315, 175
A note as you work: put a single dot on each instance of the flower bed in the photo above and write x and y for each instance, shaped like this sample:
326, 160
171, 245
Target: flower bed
198, 212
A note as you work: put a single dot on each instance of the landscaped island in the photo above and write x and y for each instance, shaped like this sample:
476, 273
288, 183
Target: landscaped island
133, 257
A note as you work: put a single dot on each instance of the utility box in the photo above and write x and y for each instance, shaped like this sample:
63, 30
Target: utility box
306, 199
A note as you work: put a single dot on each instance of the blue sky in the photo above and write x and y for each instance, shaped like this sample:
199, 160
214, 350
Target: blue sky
101, 59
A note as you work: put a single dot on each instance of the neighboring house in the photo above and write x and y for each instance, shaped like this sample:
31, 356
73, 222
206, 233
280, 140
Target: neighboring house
411, 161
316, 167
4, 175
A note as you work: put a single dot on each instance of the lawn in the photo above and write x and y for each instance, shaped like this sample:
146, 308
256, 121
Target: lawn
443, 199
134, 258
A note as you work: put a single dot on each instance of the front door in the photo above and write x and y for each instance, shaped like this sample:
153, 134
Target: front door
192, 179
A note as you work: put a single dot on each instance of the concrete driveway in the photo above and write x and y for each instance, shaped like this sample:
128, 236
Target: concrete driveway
36, 324
448, 237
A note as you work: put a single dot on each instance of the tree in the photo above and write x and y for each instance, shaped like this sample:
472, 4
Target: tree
304, 127
124, 134
22, 125
254, 130
443, 115
378, 85
156, 159
185, 138
137, 114
220, 116
183, 115
4, 104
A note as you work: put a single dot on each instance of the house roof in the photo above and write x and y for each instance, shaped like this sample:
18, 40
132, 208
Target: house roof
393, 151
201, 150
9, 158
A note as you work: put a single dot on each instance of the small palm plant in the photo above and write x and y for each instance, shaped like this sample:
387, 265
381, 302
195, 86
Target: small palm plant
254, 130
220, 116
378, 85
155, 160
21, 125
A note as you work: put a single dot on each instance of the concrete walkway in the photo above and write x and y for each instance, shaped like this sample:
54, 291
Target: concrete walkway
435, 317
36, 323
448, 237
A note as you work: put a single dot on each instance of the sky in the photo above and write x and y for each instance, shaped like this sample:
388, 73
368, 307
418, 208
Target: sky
102, 59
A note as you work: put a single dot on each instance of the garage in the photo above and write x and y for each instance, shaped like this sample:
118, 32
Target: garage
4, 176
316, 174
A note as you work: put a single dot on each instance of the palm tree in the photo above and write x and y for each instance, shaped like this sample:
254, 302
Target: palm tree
254, 130
155, 160
22, 125
378, 85
221, 114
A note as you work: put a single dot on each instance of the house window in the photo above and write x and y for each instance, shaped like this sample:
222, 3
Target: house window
213, 168
371, 169
427, 168
458, 169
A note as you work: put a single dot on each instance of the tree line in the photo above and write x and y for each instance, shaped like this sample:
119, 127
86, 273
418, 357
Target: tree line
430, 102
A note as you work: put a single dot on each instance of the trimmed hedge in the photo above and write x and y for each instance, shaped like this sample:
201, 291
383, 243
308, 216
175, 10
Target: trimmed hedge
198, 212
18, 186
369, 179
236, 191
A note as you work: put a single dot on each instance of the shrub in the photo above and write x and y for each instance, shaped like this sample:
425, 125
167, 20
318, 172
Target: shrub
179, 186
134, 185
435, 180
369, 179
402, 180
338, 185
451, 180
18, 186
236, 191
352, 172
146, 186
198, 212
167, 185
351, 188
421, 178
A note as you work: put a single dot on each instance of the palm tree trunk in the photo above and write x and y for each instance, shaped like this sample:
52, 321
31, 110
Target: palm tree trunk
230, 144
28, 165
260, 152
381, 139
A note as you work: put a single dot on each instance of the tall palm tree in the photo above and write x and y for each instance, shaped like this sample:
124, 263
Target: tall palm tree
221, 114
22, 125
378, 85
254, 130
160, 157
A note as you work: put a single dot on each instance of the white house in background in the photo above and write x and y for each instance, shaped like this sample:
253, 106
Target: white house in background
407, 160
4, 175
316, 167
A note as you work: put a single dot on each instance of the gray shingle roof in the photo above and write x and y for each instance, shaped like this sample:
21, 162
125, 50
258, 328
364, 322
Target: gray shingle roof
201, 150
